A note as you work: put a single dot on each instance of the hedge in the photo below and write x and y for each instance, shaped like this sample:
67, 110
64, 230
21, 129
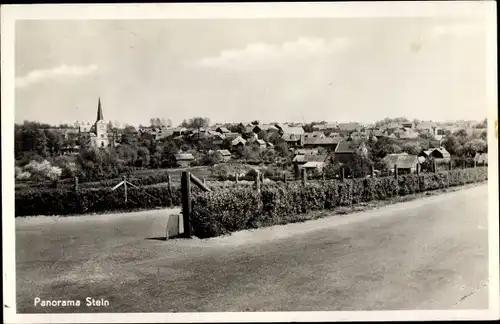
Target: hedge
232, 209
90, 200
234, 206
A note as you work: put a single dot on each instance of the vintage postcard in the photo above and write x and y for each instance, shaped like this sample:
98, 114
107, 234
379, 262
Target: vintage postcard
250, 162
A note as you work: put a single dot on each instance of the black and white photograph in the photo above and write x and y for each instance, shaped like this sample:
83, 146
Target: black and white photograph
257, 162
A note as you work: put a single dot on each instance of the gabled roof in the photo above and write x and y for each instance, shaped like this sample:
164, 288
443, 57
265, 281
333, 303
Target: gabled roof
310, 158
346, 147
224, 152
232, 135
322, 141
291, 137
223, 129
402, 160
238, 140
481, 158
349, 126
184, 156
441, 150
314, 134
314, 164
291, 130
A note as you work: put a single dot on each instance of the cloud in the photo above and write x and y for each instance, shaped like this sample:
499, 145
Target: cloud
259, 54
37, 76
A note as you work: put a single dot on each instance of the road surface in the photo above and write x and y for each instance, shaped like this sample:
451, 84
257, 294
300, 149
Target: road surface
430, 253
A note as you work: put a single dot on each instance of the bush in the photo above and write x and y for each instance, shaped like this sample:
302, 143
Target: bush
90, 200
220, 212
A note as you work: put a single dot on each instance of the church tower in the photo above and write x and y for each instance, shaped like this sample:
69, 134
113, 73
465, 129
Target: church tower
101, 128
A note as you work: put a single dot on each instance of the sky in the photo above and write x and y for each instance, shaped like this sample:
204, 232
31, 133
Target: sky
281, 69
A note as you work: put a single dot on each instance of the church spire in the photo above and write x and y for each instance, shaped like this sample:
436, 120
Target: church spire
99, 110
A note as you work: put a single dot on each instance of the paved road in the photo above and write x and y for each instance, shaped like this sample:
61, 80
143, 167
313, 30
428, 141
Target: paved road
425, 254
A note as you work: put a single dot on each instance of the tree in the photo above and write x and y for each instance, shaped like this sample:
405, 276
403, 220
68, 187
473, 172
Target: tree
452, 145
196, 123
263, 135
412, 148
143, 157
475, 146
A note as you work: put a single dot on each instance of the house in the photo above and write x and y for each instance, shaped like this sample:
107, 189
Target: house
304, 158
231, 136
304, 151
261, 143
223, 155
407, 134
328, 126
70, 149
325, 142
313, 166
222, 130
316, 134
346, 151
293, 140
348, 127
184, 159
378, 133
238, 142
481, 158
219, 139
393, 127
404, 162
426, 127
408, 125
251, 137
264, 127
439, 153
178, 131
283, 129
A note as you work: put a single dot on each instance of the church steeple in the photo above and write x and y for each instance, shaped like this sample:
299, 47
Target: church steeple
99, 110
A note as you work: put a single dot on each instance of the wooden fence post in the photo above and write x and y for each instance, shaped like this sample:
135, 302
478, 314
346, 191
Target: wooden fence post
434, 166
76, 184
372, 171
304, 176
323, 175
396, 171
342, 175
475, 163
125, 187
236, 178
418, 177
204, 181
450, 166
297, 171
257, 180
186, 202
284, 177
169, 183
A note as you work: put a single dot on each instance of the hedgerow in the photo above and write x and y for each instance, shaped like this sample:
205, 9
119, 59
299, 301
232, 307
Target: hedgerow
219, 212
94, 200
232, 206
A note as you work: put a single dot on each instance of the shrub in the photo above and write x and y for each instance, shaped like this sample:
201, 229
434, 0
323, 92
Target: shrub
240, 207
91, 200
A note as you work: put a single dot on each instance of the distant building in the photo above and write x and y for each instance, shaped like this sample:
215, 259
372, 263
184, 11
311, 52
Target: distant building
404, 162
184, 159
439, 153
481, 158
99, 132
223, 155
